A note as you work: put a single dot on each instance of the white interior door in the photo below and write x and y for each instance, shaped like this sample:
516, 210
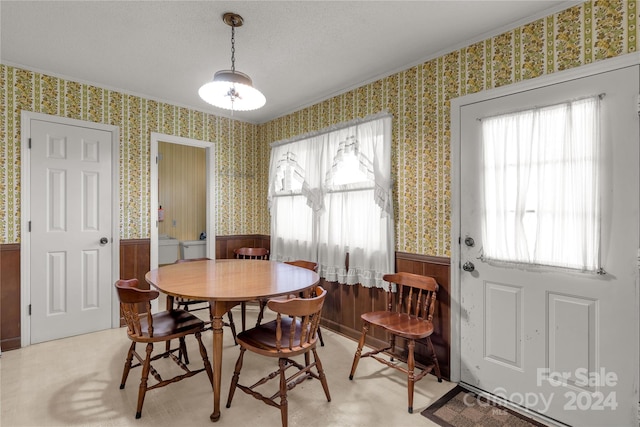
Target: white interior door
71, 230
560, 343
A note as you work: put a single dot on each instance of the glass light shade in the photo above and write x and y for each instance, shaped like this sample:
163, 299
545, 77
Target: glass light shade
232, 90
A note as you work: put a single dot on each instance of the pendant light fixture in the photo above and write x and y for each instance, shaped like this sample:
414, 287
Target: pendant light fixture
232, 89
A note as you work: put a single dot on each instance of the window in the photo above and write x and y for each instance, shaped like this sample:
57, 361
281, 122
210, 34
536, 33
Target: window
541, 186
329, 195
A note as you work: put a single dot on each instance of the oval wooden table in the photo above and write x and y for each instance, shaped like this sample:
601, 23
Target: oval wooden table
226, 283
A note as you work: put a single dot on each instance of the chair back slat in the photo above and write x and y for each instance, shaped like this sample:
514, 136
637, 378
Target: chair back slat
409, 300
131, 318
315, 324
432, 305
420, 304
278, 331
307, 326
304, 312
292, 334
415, 294
131, 298
251, 253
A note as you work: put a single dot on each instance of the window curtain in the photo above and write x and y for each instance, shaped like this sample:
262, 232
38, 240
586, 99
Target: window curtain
292, 212
541, 186
330, 195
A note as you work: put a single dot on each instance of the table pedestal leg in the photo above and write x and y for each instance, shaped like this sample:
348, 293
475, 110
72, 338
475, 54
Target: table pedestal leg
218, 309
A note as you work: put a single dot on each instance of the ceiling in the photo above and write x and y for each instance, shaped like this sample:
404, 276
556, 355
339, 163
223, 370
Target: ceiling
297, 52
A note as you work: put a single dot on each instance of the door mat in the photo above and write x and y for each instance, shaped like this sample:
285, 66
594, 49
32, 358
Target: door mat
462, 408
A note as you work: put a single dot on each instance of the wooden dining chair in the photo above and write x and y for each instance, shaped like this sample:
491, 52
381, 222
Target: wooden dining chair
144, 327
185, 304
292, 333
251, 253
313, 266
409, 315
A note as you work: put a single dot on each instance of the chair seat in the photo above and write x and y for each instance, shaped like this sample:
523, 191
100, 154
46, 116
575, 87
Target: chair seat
400, 324
174, 322
262, 339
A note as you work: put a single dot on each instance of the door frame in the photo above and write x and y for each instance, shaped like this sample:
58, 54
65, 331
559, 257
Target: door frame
25, 207
455, 153
210, 190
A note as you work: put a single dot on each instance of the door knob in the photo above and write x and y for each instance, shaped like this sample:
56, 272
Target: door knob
468, 266
104, 241
469, 241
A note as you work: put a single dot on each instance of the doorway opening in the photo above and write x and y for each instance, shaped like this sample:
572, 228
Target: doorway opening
170, 224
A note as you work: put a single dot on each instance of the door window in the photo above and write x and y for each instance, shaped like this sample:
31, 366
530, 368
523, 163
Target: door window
541, 186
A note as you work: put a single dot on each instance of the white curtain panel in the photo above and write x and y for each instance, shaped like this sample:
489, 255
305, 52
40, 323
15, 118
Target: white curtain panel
330, 195
541, 186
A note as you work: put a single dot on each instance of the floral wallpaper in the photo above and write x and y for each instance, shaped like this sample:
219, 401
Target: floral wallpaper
235, 143
419, 99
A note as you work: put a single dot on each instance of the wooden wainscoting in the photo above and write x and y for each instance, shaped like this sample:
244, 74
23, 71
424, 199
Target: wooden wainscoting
10, 296
135, 260
344, 304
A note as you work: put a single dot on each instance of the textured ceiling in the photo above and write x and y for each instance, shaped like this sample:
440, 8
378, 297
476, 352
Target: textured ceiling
296, 52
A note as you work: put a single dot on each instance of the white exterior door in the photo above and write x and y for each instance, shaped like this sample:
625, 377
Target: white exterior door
71, 230
561, 343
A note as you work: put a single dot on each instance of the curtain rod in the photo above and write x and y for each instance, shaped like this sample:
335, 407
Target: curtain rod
333, 128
